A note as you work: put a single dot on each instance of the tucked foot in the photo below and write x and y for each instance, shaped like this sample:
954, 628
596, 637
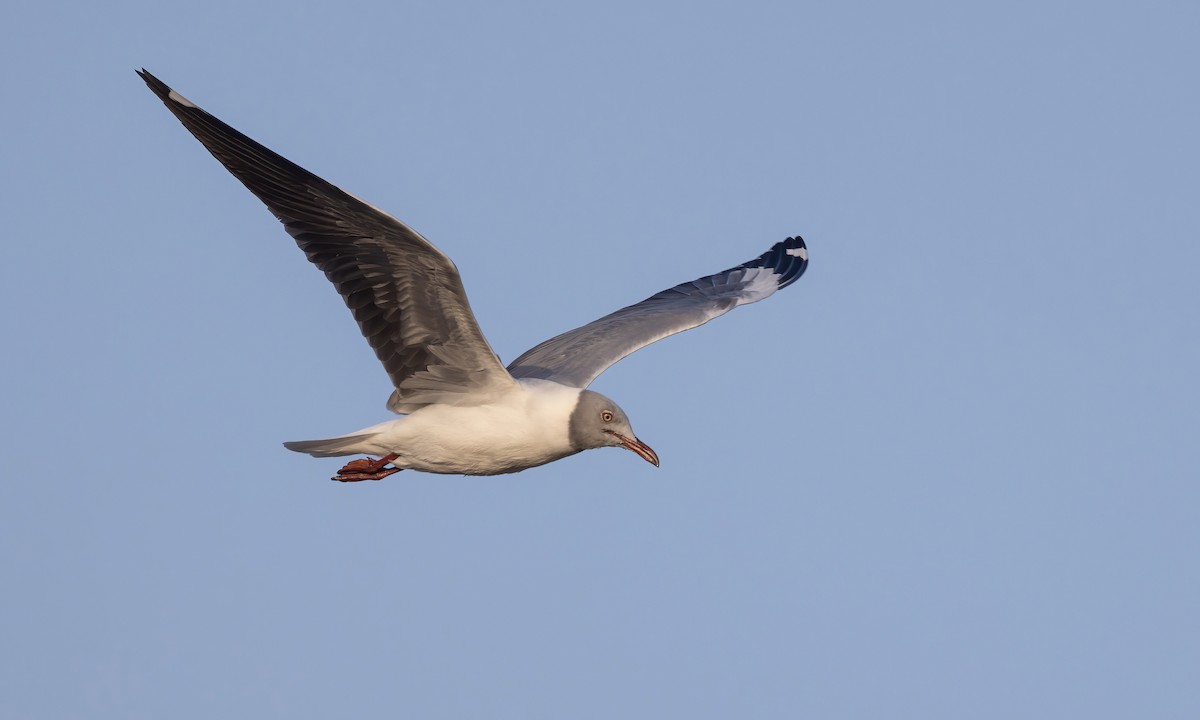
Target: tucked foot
366, 469
367, 465
360, 476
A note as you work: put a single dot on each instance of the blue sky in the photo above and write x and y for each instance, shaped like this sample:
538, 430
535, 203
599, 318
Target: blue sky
949, 473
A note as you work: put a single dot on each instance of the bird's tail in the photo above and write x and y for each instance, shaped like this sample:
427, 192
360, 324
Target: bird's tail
331, 447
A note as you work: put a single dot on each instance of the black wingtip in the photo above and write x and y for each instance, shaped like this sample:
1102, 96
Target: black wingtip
789, 260
158, 86
175, 102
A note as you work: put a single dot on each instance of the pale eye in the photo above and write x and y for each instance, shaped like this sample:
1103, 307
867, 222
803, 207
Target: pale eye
606, 416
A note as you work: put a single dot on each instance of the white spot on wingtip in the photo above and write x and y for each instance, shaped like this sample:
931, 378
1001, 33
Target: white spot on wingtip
800, 252
180, 99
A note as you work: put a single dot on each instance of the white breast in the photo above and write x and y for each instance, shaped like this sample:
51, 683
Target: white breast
526, 427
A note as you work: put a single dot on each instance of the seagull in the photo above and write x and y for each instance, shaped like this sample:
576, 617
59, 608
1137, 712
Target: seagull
463, 412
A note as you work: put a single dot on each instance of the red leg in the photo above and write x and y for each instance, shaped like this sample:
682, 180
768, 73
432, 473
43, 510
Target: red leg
368, 465
367, 469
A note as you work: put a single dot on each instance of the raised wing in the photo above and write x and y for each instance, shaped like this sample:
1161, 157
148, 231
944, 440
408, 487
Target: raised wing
405, 294
576, 357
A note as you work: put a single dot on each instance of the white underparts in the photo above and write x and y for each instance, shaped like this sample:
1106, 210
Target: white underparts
524, 427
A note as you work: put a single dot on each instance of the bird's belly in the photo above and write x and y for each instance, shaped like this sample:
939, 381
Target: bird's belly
478, 440
478, 459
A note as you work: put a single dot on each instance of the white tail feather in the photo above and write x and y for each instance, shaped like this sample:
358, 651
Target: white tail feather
331, 447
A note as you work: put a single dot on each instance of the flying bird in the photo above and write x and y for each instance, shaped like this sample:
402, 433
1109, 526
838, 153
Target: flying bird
463, 411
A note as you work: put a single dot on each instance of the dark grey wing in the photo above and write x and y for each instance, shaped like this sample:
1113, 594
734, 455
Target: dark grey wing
405, 294
576, 357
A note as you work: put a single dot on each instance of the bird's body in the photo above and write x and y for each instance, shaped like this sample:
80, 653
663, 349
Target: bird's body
522, 427
464, 411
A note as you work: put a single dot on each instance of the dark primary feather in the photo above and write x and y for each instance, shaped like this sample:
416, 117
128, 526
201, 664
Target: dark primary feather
577, 356
405, 294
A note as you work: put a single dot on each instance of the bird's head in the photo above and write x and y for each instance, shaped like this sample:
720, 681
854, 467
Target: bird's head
599, 422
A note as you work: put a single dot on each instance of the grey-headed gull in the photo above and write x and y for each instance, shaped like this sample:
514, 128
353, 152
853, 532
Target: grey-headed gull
463, 411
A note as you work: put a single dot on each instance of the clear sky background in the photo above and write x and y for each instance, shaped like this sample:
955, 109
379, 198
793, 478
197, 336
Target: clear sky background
950, 473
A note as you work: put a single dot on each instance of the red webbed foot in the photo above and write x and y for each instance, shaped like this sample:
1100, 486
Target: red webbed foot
366, 469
